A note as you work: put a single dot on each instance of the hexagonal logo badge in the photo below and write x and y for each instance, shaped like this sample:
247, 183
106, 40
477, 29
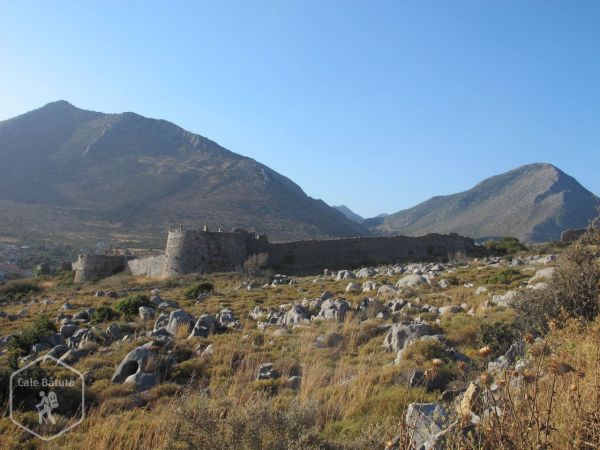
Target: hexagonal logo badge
47, 397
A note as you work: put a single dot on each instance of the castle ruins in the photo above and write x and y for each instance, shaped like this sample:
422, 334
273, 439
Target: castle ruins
195, 251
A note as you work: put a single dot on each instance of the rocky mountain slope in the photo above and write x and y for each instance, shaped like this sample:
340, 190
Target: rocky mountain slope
350, 215
533, 203
65, 169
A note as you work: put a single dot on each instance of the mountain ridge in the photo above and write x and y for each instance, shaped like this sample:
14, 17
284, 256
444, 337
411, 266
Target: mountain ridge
148, 174
534, 202
351, 215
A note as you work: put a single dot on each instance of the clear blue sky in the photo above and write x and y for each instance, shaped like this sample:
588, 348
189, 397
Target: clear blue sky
375, 104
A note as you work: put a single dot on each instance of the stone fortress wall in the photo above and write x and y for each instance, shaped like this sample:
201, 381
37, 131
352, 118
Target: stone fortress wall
151, 266
192, 251
91, 266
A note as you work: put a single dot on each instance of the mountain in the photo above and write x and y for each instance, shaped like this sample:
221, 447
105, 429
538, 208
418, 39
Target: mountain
533, 203
67, 170
350, 215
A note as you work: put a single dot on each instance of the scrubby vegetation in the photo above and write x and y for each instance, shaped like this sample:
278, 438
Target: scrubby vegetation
348, 394
129, 306
17, 289
106, 313
572, 293
20, 344
507, 276
505, 246
197, 289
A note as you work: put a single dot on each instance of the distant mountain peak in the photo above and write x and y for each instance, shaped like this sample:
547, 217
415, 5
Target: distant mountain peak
64, 169
534, 202
58, 104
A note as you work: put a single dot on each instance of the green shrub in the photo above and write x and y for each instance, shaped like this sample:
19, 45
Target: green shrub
65, 278
130, 306
498, 335
507, 276
104, 314
573, 292
425, 350
198, 288
17, 289
504, 246
21, 343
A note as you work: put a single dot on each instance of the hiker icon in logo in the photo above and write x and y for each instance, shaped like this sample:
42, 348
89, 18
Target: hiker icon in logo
45, 407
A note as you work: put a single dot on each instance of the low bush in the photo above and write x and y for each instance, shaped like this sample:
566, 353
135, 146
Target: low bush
104, 314
20, 344
507, 276
65, 278
504, 246
572, 292
497, 335
198, 422
425, 350
196, 289
17, 289
130, 306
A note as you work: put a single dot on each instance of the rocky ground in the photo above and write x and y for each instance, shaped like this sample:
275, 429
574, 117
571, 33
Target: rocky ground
388, 356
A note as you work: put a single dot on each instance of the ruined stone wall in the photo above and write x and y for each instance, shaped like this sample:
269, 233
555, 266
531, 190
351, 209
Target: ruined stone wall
311, 256
205, 251
89, 267
151, 266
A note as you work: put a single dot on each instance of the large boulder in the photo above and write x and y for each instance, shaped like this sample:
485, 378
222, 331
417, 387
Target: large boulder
73, 355
366, 272
369, 286
396, 305
353, 288
227, 319
543, 275
133, 363
81, 336
344, 275
146, 313
400, 335
68, 328
411, 282
504, 299
258, 313
83, 316
452, 309
428, 422
142, 381
205, 325
113, 332
334, 310
266, 371
161, 322
386, 291
58, 351
297, 314
179, 319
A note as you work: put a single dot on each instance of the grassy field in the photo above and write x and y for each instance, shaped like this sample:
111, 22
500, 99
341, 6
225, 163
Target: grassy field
351, 395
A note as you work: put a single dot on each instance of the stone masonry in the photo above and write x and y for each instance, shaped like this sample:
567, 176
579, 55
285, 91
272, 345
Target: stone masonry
193, 251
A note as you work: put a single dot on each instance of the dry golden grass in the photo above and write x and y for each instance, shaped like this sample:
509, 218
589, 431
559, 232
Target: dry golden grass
350, 396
